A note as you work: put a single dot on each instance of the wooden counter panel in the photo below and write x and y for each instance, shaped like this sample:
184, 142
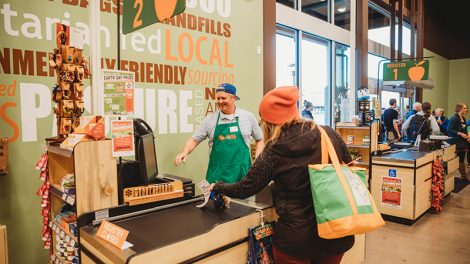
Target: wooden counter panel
405, 174
449, 183
235, 254
423, 173
95, 171
407, 201
219, 236
426, 159
392, 164
449, 153
423, 198
452, 165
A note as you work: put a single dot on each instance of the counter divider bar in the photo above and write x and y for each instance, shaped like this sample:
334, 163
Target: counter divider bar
158, 208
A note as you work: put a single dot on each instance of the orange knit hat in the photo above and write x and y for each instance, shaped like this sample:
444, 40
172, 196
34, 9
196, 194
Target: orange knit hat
280, 105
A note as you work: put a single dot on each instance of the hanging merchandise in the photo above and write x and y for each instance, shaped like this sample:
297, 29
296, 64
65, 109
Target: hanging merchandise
3, 155
71, 68
437, 187
260, 242
43, 192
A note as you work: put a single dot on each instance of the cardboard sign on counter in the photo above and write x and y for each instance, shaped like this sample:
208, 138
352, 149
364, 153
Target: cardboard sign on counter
112, 234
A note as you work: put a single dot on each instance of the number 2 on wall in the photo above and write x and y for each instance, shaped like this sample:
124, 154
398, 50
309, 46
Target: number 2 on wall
395, 71
137, 19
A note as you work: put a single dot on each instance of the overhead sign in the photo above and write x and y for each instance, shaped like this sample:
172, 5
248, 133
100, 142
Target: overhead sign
406, 70
141, 13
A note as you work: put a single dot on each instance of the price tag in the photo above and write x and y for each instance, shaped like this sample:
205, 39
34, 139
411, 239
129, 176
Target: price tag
64, 196
51, 224
62, 234
102, 214
70, 200
67, 239
72, 243
112, 234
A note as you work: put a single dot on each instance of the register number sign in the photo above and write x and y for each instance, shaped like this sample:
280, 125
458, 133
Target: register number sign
406, 70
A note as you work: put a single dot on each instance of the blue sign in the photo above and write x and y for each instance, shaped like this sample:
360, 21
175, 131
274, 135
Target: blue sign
392, 173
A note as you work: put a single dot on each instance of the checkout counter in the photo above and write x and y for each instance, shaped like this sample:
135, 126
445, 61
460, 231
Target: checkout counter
178, 232
401, 181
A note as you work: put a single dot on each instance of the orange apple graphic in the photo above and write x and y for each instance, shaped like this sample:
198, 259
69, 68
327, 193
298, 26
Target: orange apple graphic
416, 73
165, 8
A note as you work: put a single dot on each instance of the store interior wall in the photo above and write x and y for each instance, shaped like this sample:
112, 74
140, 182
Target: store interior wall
459, 84
451, 82
28, 35
439, 72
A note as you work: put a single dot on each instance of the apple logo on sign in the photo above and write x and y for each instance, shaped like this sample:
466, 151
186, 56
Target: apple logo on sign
416, 73
165, 8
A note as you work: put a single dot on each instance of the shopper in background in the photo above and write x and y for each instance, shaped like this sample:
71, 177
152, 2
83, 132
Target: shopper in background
291, 144
422, 124
457, 129
416, 108
229, 130
442, 121
390, 121
307, 112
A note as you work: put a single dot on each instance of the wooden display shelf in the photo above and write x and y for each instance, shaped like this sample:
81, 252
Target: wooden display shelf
357, 146
353, 127
364, 163
55, 190
54, 226
59, 151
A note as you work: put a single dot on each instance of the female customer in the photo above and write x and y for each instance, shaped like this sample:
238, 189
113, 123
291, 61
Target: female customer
291, 144
457, 129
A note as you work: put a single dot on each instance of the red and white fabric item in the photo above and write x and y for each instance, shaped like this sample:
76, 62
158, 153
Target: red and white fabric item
43, 192
437, 187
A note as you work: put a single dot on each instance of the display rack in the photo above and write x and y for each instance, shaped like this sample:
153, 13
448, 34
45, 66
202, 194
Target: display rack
357, 143
95, 177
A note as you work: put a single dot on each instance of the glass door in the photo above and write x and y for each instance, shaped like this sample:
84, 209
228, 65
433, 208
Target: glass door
315, 84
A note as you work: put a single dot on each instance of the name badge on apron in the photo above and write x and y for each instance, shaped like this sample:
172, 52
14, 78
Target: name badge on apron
233, 129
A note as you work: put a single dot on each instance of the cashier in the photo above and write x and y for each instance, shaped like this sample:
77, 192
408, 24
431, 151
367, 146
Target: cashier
229, 130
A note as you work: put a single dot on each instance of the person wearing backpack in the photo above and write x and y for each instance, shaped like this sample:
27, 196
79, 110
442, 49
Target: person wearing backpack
457, 129
422, 124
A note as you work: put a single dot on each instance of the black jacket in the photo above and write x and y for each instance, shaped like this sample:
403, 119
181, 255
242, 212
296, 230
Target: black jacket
285, 163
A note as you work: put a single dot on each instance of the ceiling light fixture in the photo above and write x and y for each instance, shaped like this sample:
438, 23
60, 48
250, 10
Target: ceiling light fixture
341, 9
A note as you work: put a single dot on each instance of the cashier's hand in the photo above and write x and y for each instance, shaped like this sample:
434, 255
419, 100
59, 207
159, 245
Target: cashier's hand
181, 157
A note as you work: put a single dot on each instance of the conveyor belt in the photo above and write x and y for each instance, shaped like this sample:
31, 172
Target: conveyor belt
168, 226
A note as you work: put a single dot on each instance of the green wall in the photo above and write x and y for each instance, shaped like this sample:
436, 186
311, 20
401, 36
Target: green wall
452, 82
439, 72
459, 83
173, 109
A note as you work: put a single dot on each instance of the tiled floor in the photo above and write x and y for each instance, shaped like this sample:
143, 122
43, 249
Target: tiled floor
433, 239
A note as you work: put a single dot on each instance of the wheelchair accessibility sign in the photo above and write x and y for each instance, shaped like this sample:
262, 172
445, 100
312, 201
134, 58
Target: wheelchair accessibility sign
392, 173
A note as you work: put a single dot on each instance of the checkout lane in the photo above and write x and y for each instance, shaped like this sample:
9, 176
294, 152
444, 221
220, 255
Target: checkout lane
176, 234
401, 181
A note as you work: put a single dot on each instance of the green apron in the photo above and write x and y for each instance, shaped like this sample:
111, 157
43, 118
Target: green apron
230, 156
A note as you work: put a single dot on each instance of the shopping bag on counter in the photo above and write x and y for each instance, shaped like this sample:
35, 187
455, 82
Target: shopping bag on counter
260, 243
343, 205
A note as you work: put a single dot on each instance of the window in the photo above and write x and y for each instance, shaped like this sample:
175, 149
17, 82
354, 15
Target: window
343, 13
286, 66
372, 66
289, 3
315, 77
344, 97
317, 8
379, 30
